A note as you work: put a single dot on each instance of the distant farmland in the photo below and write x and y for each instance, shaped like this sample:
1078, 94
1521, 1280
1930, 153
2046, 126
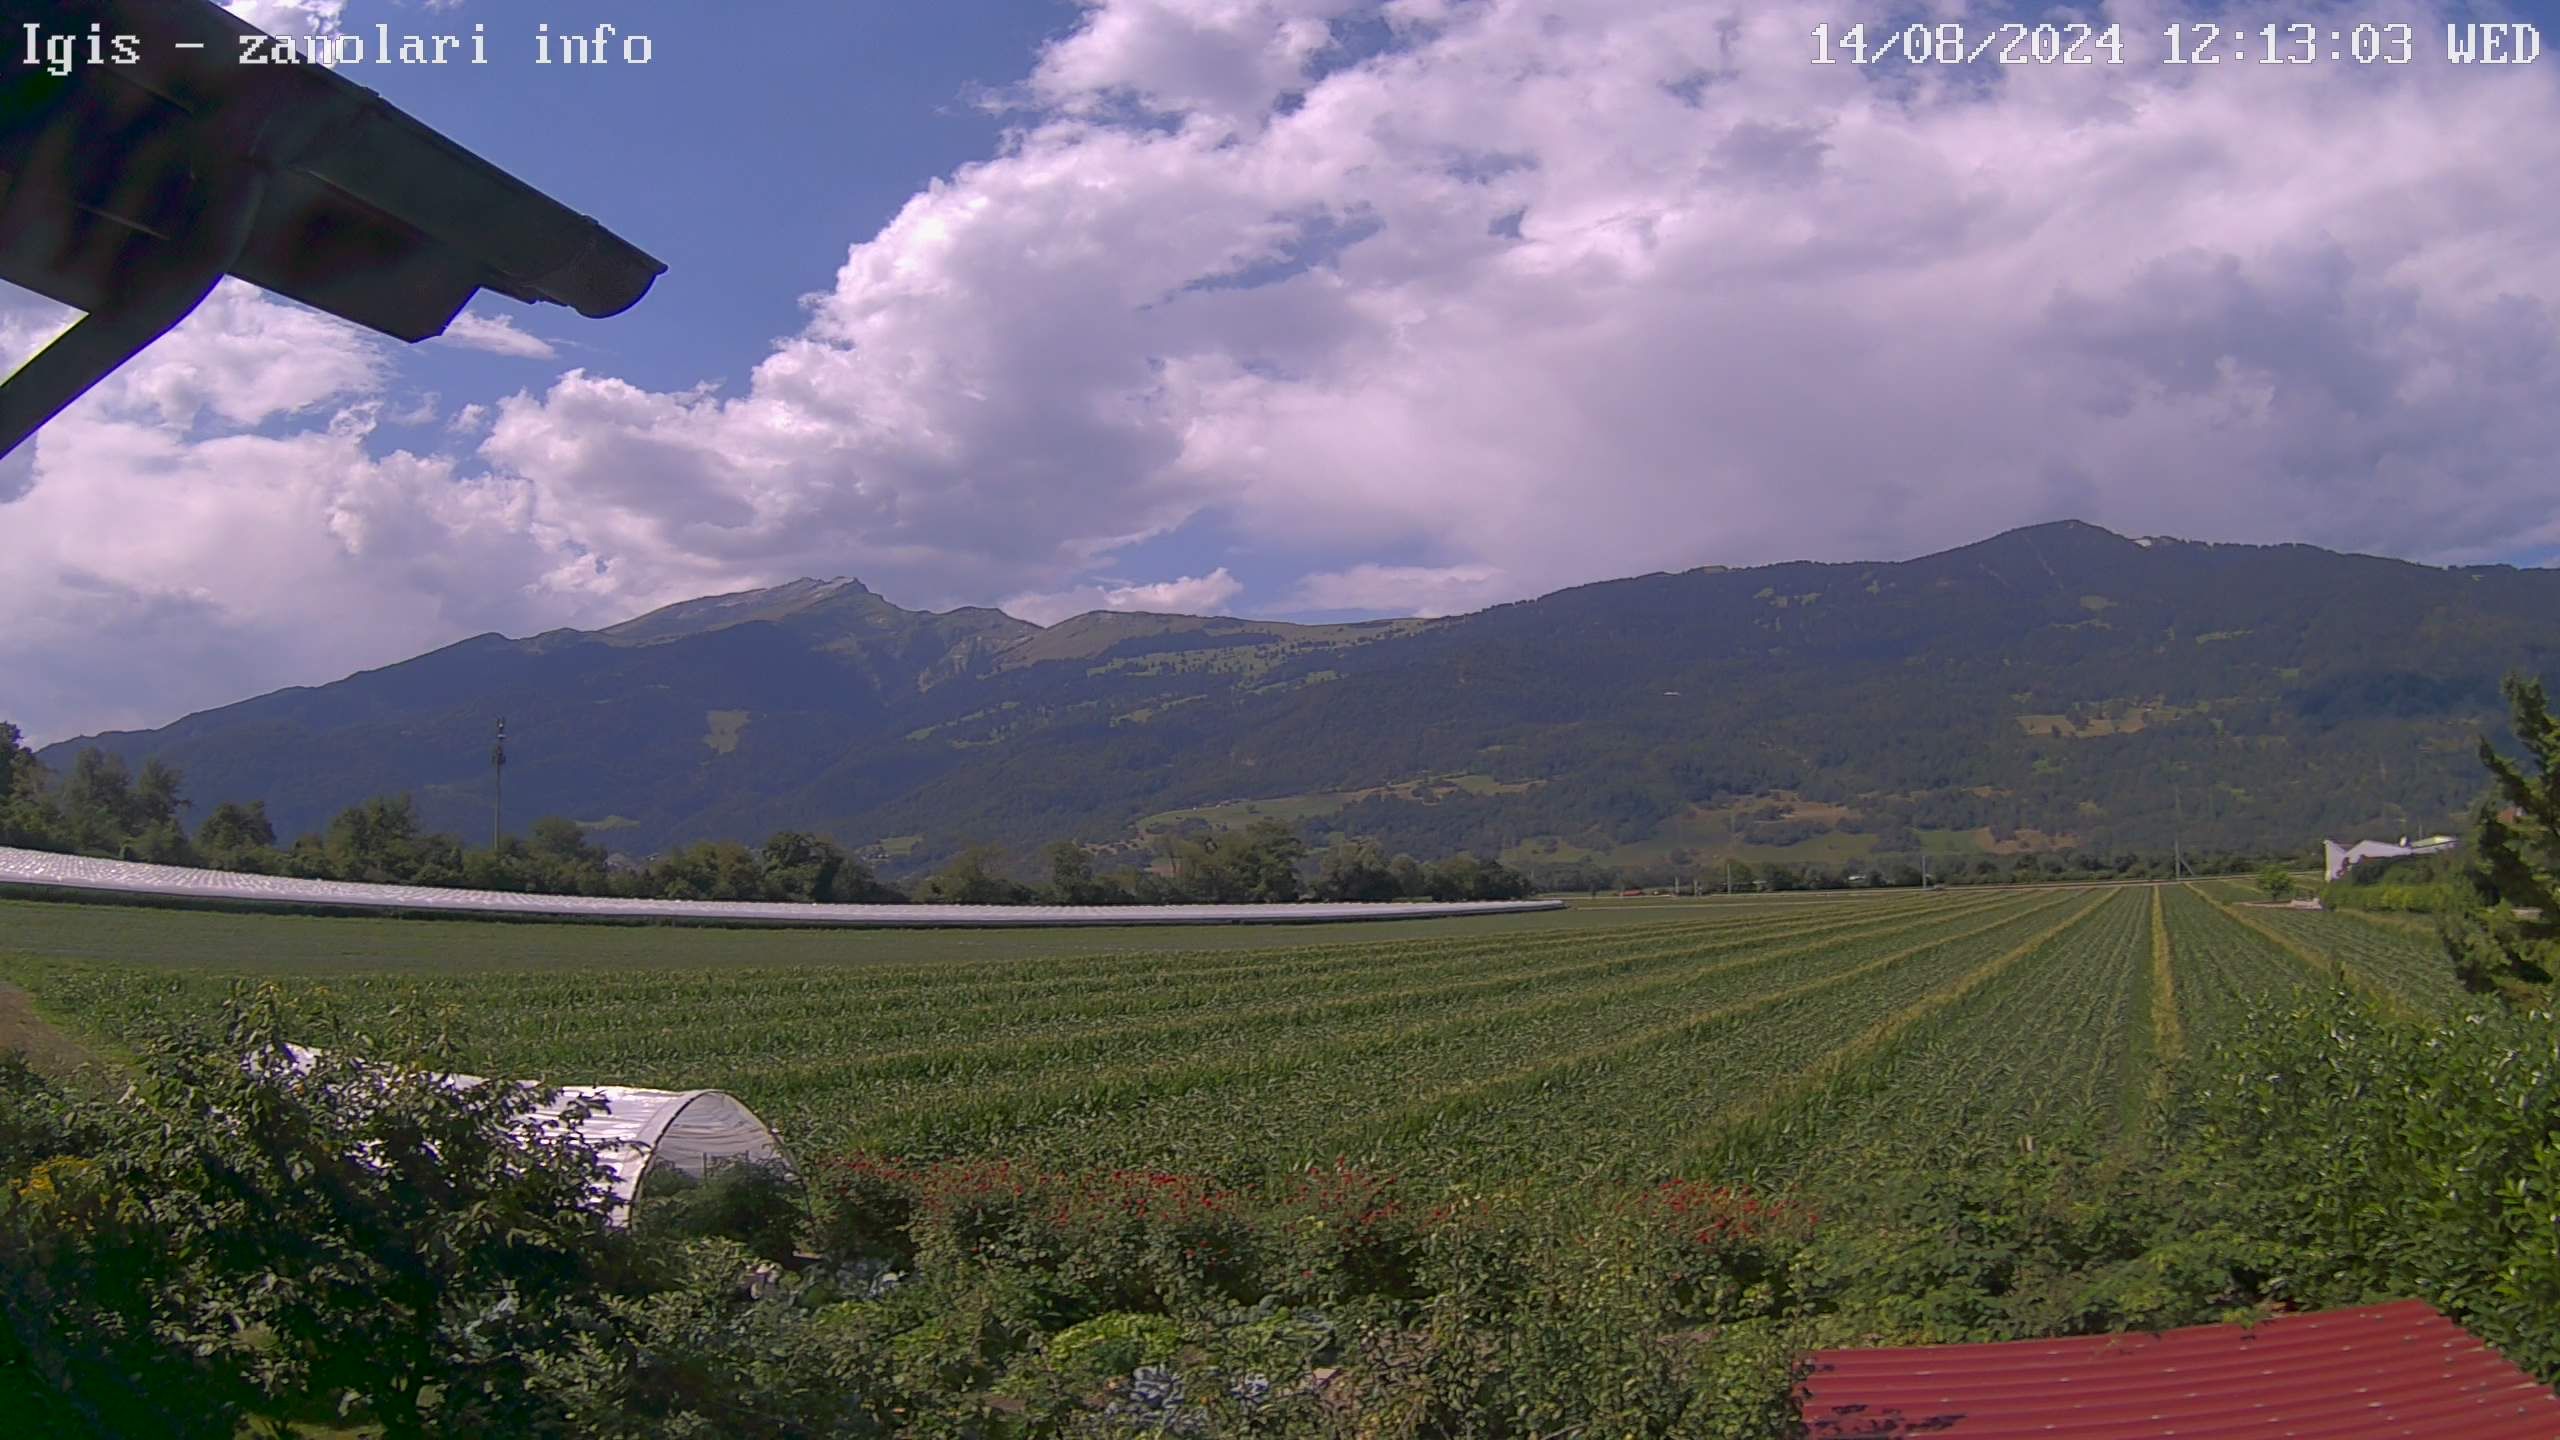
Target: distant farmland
1731, 1037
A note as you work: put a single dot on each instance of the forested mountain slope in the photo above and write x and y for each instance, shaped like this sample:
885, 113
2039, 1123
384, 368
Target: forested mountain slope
2058, 685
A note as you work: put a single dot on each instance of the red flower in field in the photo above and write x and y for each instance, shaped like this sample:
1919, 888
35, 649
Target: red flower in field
1714, 1215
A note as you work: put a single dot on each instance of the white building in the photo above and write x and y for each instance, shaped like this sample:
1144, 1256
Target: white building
2342, 858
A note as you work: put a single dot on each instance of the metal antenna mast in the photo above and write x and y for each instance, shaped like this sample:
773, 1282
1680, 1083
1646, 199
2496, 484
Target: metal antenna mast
498, 787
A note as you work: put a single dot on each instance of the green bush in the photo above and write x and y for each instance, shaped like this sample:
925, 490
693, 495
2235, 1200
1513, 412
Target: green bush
2389, 1158
865, 1206
2048, 1243
1114, 1344
238, 1244
1340, 1233
238, 1234
2438, 898
724, 1346
758, 1205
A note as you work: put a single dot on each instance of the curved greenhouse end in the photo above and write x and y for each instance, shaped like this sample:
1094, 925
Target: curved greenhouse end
636, 1132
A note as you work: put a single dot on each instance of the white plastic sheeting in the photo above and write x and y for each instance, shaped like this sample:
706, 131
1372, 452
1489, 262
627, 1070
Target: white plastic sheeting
2339, 859
124, 877
635, 1131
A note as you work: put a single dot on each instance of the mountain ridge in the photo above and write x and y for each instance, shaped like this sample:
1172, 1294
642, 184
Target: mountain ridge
2067, 673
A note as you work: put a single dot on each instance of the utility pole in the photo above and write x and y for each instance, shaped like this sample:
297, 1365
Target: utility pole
1728, 854
498, 788
2177, 833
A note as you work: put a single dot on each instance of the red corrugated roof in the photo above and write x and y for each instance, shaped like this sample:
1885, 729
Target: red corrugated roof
2399, 1370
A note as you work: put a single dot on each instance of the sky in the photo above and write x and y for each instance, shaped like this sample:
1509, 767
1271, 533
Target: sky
1322, 308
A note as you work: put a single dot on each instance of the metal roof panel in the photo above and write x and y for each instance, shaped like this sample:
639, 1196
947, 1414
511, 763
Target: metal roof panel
2394, 1370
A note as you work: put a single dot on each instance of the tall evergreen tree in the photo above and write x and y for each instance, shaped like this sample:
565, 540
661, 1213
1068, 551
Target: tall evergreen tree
2512, 945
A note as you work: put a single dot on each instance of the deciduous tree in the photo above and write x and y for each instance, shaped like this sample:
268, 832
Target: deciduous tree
976, 877
239, 837
1355, 870
375, 840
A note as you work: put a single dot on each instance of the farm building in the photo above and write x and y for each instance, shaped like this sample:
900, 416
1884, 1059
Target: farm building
2342, 858
637, 1132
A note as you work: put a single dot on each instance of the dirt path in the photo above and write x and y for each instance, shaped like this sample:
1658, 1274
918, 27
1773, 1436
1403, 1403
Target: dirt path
51, 1052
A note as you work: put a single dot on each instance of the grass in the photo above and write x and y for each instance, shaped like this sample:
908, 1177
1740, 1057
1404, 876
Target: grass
25, 1030
1298, 809
725, 728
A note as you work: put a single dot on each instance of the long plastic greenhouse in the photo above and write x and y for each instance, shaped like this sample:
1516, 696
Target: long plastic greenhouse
41, 870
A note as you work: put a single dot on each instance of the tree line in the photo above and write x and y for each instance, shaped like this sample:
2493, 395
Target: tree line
1708, 873
232, 1239
102, 807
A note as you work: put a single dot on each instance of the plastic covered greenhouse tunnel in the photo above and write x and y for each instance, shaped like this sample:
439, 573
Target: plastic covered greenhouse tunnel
638, 1132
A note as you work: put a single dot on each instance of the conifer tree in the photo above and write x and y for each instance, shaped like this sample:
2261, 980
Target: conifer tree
2511, 946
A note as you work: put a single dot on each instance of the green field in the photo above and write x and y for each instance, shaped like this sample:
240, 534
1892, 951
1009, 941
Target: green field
1765, 1038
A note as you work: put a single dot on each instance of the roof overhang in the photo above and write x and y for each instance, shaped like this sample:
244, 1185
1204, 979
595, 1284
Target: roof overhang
127, 191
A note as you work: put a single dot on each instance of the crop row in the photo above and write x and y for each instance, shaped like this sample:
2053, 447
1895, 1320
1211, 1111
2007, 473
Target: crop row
662, 1017
839, 1009
2408, 961
1540, 1085
2039, 1045
2223, 968
1773, 1040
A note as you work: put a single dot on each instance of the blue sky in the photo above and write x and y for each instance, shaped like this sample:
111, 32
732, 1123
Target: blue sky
1320, 307
747, 155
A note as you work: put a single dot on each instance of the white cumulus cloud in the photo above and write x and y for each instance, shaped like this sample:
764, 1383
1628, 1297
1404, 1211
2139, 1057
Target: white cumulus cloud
1426, 305
1190, 595
496, 334
1402, 589
291, 17
1556, 294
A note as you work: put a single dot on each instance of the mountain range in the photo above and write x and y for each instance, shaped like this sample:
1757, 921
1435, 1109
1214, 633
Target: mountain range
2057, 686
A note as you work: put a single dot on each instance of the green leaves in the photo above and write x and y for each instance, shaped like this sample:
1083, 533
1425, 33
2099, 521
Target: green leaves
2510, 945
2391, 1157
251, 1230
